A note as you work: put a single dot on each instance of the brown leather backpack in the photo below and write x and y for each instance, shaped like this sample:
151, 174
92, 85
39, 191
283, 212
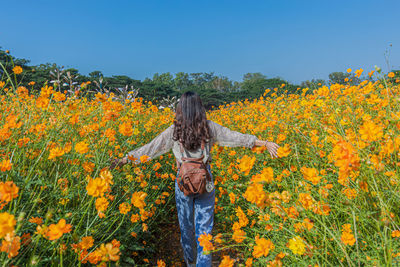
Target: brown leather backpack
193, 177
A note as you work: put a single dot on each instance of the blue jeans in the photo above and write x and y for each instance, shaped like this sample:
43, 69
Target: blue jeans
196, 215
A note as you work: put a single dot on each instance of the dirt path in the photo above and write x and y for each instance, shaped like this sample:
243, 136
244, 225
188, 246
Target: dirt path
170, 249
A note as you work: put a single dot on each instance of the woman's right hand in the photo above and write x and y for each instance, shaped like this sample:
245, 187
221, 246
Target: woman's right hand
117, 163
272, 148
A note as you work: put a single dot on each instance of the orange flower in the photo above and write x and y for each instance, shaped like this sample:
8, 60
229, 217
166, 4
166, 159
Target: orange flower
42, 102
135, 218
36, 220
96, 187
347, 236
396, 233
5, 165
370, 131
246, 164
205, 242
359, 72
306, 200
101, 204
126, 129
108, 252
56, 152
391, 75
8, 191
161, 263
17, 70
350, 193
82, 147
137, 199
266, 175
255, 194
284, 151
59, 96
232, 198
55, 231
249, 262
11, 244
311, 174
87, 242
243, 221
124, 208
144, 158
239, 235
349, 70
263, 247
7, 223
226, 262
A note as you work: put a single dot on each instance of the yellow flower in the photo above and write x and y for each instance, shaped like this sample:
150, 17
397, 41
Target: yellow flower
296, 245
349, 70
391, 75
107, 176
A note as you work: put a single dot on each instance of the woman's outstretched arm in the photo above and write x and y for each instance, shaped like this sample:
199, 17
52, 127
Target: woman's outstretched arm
226, 137
159, 145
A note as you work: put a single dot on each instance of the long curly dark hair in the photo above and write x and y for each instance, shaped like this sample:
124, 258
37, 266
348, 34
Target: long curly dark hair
190, 124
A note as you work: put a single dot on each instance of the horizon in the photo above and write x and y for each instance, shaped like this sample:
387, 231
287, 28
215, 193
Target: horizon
229, 40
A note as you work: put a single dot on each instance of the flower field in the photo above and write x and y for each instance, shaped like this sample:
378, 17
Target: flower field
330, 199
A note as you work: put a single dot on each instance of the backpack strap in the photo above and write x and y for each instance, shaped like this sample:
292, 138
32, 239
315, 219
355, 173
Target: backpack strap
178, 164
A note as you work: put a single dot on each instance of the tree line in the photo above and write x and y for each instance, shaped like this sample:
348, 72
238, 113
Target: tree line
213, 89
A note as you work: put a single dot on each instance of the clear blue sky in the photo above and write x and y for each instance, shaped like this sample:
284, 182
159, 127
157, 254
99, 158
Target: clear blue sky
295, 40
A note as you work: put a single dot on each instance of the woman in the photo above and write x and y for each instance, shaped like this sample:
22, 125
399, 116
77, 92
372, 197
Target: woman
190, 127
